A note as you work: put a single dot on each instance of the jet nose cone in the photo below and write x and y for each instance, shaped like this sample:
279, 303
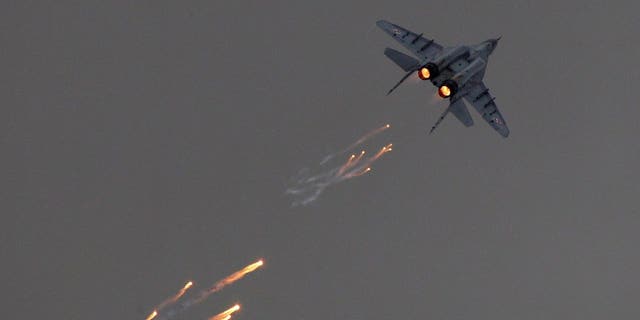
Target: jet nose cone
494, 43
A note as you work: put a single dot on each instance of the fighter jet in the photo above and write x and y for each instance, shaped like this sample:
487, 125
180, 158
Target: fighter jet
456, 71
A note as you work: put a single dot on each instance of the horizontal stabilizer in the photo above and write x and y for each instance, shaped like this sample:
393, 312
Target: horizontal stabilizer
460, 111
479, 97
407, 63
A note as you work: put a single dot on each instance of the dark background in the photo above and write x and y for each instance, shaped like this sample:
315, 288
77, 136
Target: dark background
150, 143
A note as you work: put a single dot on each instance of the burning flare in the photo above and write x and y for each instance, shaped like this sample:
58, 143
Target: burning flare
226, 315
238, 275
352, 161
172, 307
183, 290
308, 187
361, 172
176, 296
382, 151
152, 315
230, 279
368, 136
358, 142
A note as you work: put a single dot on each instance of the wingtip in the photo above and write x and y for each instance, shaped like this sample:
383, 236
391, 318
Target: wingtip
382, 23
504, 132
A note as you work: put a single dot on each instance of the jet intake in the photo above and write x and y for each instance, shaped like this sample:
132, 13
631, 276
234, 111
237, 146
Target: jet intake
448, 89
474, 67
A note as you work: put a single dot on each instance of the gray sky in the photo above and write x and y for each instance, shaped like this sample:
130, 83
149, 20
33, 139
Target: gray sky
148, 144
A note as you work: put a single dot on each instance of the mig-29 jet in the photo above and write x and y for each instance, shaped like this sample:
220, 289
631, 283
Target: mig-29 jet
456, 71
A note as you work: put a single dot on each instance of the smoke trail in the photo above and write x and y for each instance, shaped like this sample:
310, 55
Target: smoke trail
176, 296
307, 188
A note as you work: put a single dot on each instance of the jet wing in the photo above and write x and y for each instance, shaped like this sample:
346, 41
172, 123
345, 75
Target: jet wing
420, 46
478, 96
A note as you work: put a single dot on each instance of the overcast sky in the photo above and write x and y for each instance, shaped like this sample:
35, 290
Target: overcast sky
148, 144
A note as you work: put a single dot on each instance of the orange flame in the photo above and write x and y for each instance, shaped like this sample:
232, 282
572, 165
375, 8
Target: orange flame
360, 173
359, 157
366, 163
235, 276
226, 315
176, 296
233, 309
382, 151
368, 136
152, 315
357, 174
353, 156
352, 161
183, 290
444, 91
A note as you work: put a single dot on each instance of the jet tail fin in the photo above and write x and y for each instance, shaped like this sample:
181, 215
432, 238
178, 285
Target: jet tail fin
407, 63
459, 110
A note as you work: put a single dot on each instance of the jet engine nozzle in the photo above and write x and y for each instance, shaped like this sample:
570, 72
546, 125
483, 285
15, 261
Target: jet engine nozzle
448, 89
428, 71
